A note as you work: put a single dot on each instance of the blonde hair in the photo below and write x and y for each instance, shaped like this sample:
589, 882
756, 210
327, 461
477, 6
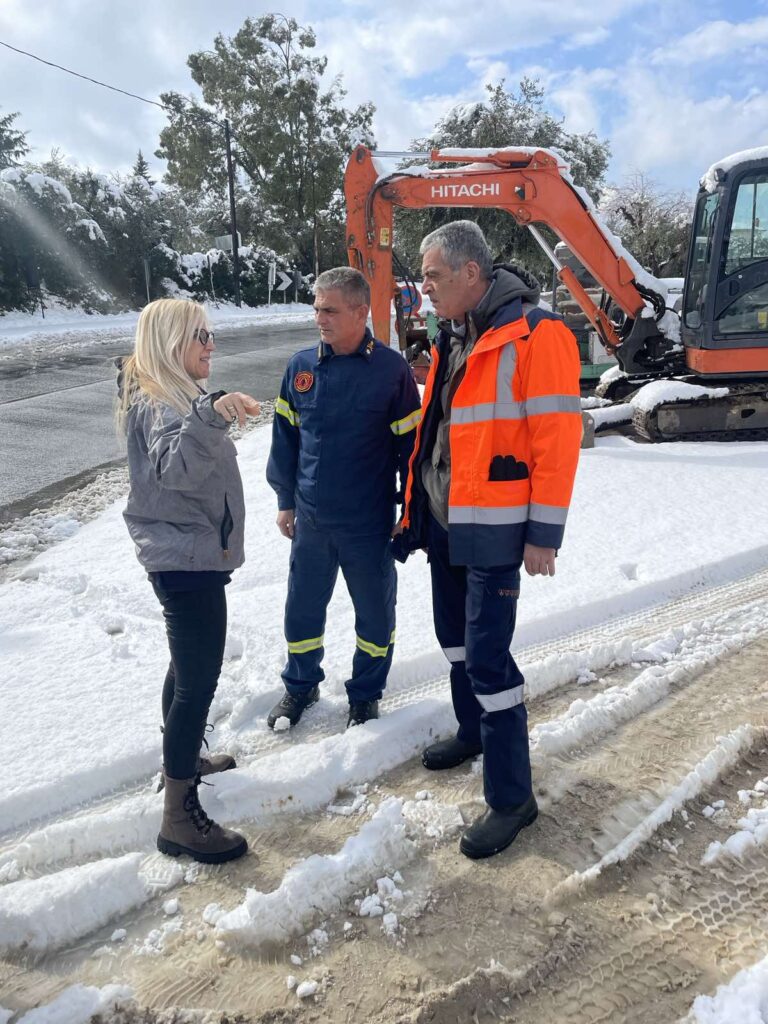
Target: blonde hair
155, 371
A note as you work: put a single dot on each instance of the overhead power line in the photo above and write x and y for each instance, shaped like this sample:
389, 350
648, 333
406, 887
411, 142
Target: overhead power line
86, 78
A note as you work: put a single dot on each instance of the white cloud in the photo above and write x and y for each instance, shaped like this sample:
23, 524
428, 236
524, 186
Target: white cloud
715, 41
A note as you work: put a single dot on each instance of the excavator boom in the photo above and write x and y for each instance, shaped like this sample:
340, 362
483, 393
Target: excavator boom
532, 185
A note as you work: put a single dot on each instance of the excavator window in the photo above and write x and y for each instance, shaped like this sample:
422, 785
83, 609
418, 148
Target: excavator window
745, 247
700, 258
748, 240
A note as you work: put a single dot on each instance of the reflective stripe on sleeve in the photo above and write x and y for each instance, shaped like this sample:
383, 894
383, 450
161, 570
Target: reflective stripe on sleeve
283, 408
454, 654
373, 649
305, 646
488, 516
406, 424
501, 701
553, 403
555, 515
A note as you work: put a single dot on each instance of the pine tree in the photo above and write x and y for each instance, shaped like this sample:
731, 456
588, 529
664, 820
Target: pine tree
141, 169
291, 133
13, 143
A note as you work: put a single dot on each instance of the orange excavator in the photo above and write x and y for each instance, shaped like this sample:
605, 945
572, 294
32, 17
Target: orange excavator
718, 342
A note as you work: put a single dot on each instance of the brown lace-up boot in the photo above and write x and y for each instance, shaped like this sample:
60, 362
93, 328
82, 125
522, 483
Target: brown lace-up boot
187, 829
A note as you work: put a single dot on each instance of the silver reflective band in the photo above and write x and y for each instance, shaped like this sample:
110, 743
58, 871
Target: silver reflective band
484, 411
455, 654
501, 701
553, 403
488, 516
552, 514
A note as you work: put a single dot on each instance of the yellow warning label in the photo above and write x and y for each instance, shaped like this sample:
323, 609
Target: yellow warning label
384, 238
762, 319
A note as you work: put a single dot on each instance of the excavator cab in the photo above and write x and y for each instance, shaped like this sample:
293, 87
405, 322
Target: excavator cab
725, 302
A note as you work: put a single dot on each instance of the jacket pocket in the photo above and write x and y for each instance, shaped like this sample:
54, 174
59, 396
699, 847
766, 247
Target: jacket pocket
227, 525
507, 467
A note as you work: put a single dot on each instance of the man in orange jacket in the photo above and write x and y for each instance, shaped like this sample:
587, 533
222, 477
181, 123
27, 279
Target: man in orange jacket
489, 485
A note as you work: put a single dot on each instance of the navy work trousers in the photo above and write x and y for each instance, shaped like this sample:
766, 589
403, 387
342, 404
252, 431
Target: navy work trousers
474, 610
369, 572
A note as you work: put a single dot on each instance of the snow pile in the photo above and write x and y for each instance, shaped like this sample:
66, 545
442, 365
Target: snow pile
53, 911
78, 1004
319, 885
752, 829
660, 391
686, 651
743, 999
727, 752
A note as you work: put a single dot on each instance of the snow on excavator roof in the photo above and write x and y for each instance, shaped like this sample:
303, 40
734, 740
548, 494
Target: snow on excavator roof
709, 180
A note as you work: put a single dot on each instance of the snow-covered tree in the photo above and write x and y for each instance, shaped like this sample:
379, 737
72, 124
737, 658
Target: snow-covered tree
653, 224
291, 134
13, 143
503, 118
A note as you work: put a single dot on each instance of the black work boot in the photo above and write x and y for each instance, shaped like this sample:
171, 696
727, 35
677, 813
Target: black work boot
495, 830
187, 829
292, 707
449, 753
362, 711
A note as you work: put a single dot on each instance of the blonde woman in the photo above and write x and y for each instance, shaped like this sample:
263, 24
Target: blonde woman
185, 514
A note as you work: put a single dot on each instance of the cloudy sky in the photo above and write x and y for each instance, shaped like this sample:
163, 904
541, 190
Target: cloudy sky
673, 84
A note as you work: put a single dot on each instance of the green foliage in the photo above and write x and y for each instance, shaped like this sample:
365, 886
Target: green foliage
653, 225
504, 119
13, 143
291, 137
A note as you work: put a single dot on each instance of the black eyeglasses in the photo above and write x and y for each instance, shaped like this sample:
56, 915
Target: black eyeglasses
203, 336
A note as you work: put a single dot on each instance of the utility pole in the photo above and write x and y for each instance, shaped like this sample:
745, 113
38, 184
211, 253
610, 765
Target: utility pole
232, 213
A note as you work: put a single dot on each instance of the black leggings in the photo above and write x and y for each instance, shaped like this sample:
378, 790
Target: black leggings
196, 625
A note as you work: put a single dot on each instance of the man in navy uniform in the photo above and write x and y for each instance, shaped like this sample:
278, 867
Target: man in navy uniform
342, 435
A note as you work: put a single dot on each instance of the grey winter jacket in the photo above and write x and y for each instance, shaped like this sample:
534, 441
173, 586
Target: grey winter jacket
185, 508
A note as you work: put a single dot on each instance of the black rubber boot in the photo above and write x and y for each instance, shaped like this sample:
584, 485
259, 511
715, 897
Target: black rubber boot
449, 753
495, 830
362, 711
291, 707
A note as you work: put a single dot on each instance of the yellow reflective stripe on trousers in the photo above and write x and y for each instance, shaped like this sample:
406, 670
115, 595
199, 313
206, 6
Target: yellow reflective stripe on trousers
305, 646
373, 649
284, 409
406, 424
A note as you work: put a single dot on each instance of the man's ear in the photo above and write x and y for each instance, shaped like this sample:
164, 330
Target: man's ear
472, 270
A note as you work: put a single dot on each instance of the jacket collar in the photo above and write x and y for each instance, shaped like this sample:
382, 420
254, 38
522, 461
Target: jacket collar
365, 349
509, 317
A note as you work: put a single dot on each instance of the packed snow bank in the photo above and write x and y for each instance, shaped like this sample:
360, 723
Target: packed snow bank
83, 632
743, 999
78, 1004
53, 911
319, 886
61, 324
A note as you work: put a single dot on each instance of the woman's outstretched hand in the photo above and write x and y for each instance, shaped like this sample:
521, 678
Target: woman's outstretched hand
236, 405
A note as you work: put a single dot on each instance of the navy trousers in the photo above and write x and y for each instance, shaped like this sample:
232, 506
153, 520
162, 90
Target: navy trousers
369, 572
474, 610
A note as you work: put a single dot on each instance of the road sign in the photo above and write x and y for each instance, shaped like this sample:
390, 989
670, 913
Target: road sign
411, 298
224, 242
285, 281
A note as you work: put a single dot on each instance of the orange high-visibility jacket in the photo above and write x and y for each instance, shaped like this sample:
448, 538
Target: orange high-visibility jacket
514, 439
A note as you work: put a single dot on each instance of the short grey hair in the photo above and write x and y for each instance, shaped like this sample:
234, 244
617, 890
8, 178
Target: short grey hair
350, 282
460, 241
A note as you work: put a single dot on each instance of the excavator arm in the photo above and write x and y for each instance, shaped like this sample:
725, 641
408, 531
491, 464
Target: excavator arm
534, 187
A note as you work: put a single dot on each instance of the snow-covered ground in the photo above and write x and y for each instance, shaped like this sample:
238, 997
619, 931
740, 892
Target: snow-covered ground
71, 327
82, 657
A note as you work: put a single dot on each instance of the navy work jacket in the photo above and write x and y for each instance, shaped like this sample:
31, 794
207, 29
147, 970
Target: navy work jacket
343, 432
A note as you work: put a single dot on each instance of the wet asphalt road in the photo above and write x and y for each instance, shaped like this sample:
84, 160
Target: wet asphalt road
56, 407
